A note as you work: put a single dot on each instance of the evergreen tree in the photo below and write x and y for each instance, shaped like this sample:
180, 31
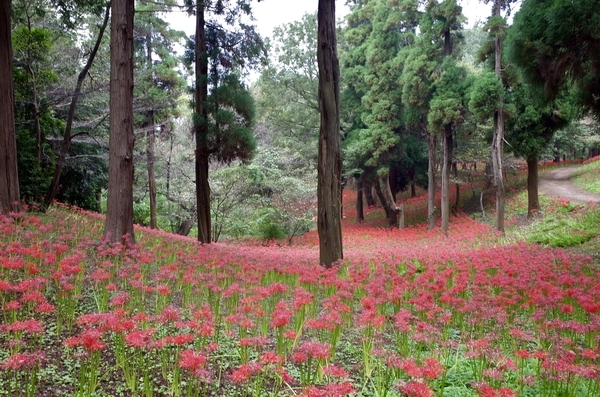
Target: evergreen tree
221, 51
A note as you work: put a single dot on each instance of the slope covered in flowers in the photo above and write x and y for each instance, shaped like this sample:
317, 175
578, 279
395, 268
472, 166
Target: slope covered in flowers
407, 313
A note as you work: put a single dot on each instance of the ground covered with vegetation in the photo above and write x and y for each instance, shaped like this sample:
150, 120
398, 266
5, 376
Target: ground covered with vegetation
407, 312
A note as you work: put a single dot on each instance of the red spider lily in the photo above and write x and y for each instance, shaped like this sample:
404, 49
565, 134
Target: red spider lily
335, 372
192, 361
485, 390
31, 326
45, 307
19, 361
271, 358
281, 316
415, 389
245, 372
89, 339
141, 339
314, 349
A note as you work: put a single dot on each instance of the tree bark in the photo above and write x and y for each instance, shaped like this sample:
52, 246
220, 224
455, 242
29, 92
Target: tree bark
9, 176
66, 144
498, 139
329, 220
389, 205
368, 190
431, 149
201, 129
446, 165
119, 213
150, 144
360, 215
533, 201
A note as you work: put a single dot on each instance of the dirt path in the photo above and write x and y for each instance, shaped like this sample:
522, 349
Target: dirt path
557, 182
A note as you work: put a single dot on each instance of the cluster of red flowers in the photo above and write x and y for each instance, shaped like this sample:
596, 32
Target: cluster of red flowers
409, 292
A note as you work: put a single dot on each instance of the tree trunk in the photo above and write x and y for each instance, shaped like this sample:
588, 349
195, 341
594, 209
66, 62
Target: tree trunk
150, 169
498, 139
456, 185
431, 149
201, 129
389, 205
150, 144
9, 176
119, 213
360, 215
330, 160
66, 144
368, 190
533, 202
185, 227
446, 165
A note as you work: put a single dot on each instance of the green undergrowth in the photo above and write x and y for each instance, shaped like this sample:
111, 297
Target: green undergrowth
588, 177
559, 224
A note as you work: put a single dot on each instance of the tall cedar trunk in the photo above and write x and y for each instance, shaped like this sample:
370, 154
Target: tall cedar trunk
36, 116
9, 176
446, 166
431, 149
533, 201
150, 145
329, 187
368, 190
456, 185
447, 157
66, 144
386, 200
119, 212
498, 140
360, 215
202, 152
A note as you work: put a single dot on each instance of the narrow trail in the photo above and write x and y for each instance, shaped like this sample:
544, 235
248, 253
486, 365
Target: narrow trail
557, 183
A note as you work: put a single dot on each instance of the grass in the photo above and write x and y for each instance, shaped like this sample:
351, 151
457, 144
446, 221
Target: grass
588, 176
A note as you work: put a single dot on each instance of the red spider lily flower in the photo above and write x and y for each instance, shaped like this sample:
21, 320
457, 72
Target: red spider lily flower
32, 296
245, 372
290, 334
183, 339
12, 306
432, 369
31, 326
281, 315
45, 307
299, 357
415, 389
90, 340
314, 349
338, 389
170, 313
5, 286
335, 372
120, 299
192, 361
271, 358
19, 361
163, 289
140, 339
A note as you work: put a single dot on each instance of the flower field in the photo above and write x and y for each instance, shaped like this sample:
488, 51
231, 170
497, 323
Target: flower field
408, 313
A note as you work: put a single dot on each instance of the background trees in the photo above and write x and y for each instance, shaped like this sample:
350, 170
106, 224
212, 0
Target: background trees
405, 79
